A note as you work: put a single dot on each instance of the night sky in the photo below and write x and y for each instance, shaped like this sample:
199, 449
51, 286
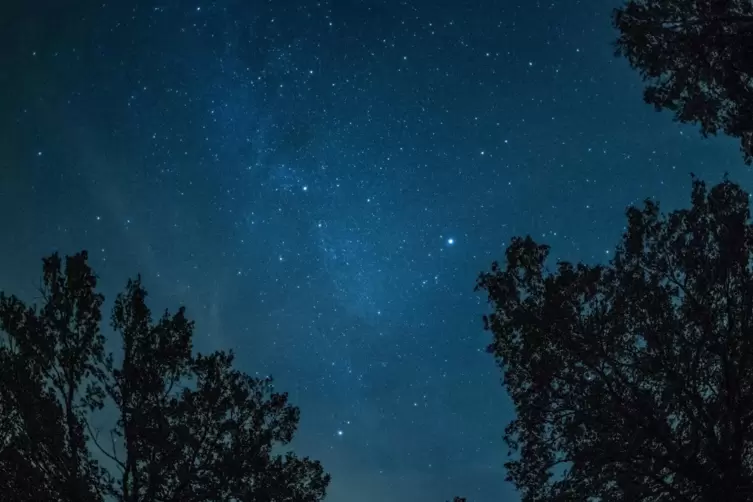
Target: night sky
320, 183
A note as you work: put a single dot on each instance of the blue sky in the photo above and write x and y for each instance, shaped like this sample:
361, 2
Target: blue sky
320, 184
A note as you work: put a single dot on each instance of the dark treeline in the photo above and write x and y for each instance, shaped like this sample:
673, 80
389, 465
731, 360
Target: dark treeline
694, 56
633, 380
184, 426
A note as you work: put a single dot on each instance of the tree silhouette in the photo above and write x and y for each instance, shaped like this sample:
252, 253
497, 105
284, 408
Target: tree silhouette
633, 380
694, 56
189, 427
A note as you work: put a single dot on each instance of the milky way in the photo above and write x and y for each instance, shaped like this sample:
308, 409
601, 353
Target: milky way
320, 184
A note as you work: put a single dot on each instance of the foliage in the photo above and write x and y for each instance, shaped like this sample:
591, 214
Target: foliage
633, 380
694, 56
189, 426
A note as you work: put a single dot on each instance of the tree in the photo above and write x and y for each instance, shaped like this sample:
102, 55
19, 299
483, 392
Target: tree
694, 56
633, 380
189, 427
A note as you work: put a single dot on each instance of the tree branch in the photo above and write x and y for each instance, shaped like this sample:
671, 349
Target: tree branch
112, 456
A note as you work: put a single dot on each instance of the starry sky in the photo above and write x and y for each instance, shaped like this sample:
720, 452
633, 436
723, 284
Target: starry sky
320, 183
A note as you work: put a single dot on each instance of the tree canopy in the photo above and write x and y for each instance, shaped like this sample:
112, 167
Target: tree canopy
694, 56
187, 427
633, 380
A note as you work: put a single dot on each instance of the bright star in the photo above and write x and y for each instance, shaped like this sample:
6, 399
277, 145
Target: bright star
450, 241
340, 433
